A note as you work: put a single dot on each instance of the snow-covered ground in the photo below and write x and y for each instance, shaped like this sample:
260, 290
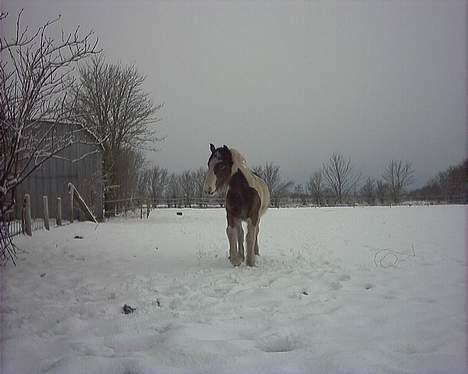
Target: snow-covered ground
376, 290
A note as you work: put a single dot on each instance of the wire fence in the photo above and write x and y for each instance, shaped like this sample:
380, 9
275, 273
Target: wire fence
16, 224
142, 206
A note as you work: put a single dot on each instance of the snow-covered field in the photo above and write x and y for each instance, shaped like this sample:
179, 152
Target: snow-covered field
376, 290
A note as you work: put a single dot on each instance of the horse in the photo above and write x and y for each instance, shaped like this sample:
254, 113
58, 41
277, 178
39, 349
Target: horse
247, 199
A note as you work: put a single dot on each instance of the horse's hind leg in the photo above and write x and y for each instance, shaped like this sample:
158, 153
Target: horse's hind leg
240, 240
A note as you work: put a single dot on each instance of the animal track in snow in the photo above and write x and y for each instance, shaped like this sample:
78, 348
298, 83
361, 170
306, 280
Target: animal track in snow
344, 277
277, 344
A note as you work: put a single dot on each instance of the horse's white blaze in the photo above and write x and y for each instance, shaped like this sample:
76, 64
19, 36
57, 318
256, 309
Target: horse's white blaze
210, 181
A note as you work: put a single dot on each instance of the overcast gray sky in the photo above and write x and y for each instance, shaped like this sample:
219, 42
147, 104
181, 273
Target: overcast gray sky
291, 82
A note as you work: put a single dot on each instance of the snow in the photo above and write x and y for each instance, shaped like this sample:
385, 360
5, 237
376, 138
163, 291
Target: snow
341, 290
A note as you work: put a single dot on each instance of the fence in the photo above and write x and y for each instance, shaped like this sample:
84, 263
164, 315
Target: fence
23, 219
141, 206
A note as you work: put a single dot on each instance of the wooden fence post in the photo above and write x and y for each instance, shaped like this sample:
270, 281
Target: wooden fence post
27, 214
59, 211
45, 203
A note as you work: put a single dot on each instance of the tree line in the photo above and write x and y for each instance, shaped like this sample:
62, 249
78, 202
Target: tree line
337, 182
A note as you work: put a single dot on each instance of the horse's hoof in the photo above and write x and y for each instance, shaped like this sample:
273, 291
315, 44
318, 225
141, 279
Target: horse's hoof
236, 261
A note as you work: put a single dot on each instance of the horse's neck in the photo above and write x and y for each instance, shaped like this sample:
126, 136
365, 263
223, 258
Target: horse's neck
238, 161
240, 165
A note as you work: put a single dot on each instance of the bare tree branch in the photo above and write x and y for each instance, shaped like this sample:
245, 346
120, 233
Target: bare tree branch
316, 187
340, 176
398, 176
36, 72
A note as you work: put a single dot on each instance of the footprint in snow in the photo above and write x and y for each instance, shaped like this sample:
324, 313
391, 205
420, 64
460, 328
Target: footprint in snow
278, 344
344, 277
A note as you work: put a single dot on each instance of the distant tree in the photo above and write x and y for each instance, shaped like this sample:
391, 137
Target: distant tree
187, 185
457, 183
381, 189
270, 173
153, 182
174, 188
159, 180
316, 186
143, 184
340, 176
441, 184
299, 194
36, 72
450, 185
198, 177
398, 175
367, 191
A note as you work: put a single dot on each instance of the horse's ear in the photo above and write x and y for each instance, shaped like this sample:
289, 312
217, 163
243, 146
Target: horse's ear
225, 147
212, 148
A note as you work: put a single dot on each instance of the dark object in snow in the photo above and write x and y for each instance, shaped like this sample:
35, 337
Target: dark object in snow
305, 293
179, 213
43, 275
158, 303
127, 309
78, 237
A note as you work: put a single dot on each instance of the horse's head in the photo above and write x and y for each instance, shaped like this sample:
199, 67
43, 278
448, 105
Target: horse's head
219, 169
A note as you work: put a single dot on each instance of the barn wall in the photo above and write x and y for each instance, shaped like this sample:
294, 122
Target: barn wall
53, 177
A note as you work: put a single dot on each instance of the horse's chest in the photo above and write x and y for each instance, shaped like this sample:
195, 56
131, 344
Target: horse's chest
242, 204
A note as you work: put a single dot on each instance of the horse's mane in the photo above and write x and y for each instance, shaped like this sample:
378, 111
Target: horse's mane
238, 160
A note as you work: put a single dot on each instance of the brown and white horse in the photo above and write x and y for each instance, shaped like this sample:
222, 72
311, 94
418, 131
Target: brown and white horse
247, 199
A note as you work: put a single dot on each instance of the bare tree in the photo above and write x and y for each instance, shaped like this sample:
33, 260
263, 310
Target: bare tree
158, 181
368, 191
450, 186
187, 186
315, 186
111, 100
398, 175
36, 72
198, 177
381, 189
299, 193
174, 188
340, 176
270, 173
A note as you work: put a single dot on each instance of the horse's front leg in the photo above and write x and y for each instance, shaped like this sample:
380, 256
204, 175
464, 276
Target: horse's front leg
240, 240
232, 234
251, 240
257, 251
